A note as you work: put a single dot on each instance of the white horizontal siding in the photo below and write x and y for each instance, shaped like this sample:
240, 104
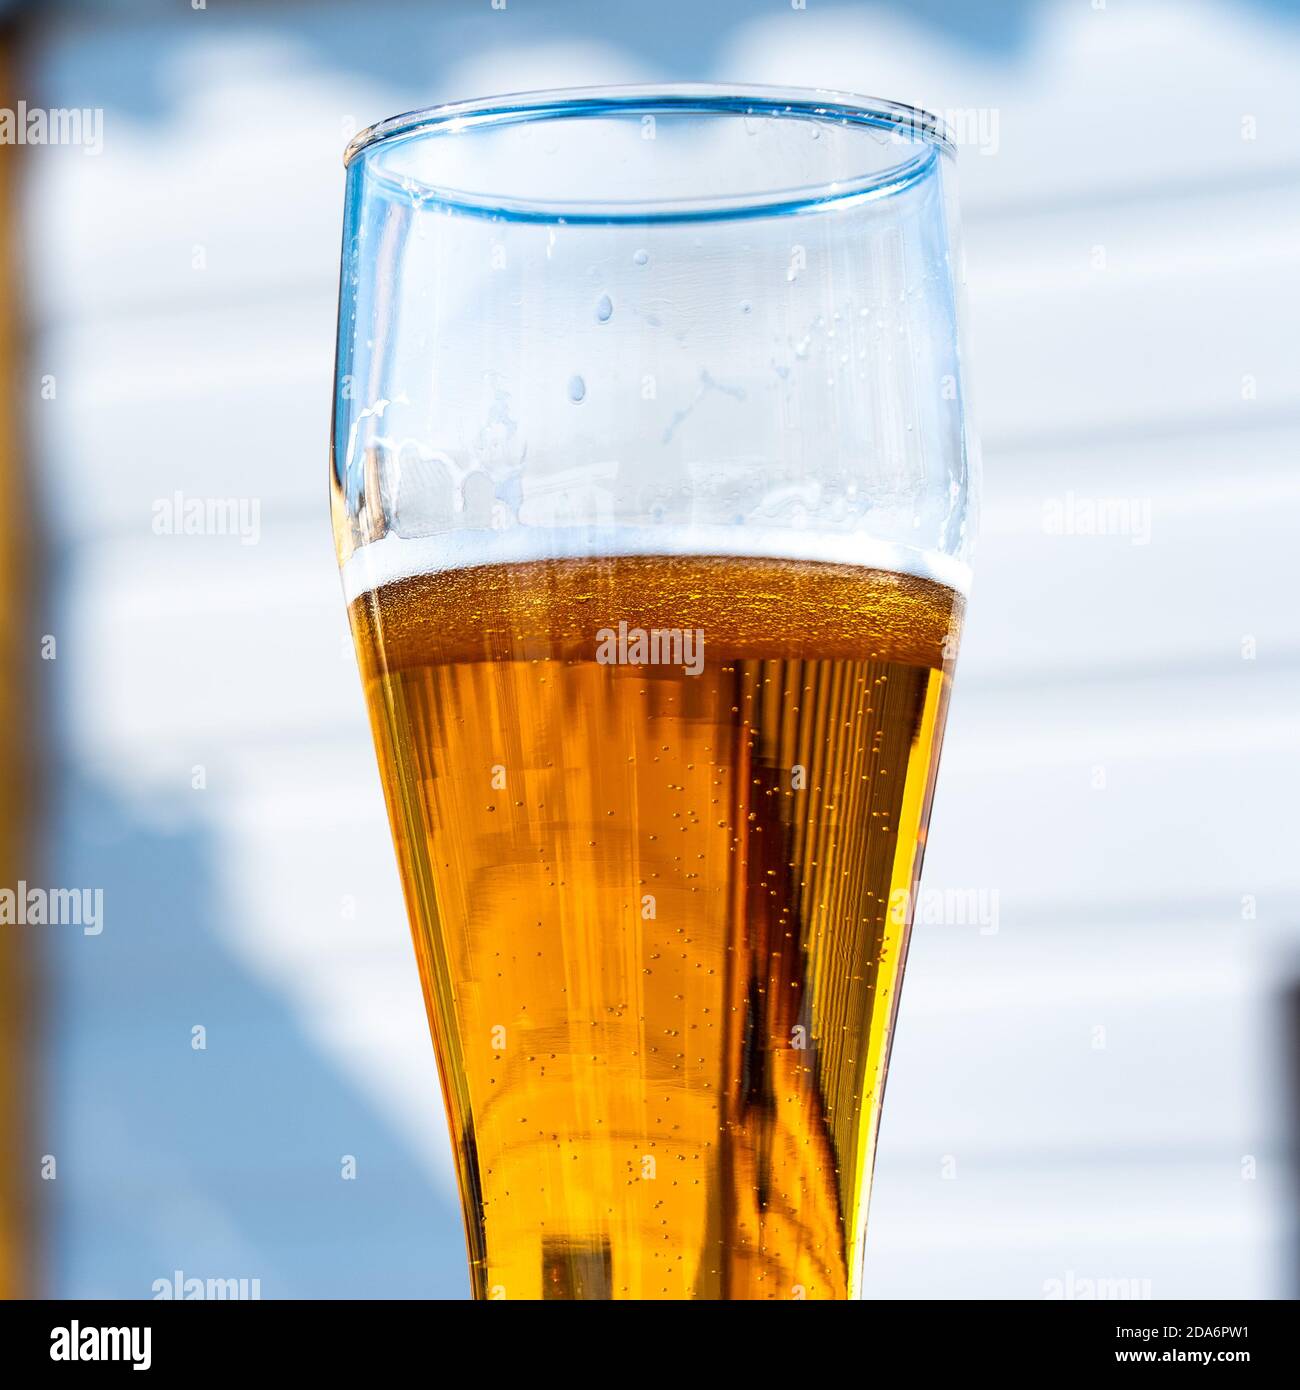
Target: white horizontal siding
1118, 908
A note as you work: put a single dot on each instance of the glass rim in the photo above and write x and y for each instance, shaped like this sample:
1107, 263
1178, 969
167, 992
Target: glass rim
823, 105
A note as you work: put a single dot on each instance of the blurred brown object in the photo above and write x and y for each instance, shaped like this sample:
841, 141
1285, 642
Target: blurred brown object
17, 1164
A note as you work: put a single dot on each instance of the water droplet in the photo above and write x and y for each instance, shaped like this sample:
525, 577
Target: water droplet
577, 389
745, 306
641, 257
604, 309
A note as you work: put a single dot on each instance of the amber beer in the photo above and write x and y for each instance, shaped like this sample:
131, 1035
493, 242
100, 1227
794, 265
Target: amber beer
651, 901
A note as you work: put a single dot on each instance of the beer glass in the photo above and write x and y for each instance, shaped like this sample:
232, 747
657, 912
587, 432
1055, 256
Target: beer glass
652, 492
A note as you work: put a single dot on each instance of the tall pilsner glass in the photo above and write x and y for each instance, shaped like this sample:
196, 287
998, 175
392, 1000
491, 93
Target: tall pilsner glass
652, 491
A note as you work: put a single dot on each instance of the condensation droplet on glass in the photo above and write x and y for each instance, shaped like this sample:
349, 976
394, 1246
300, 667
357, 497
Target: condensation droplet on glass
577, 389
640, 257
745, 306
604, 309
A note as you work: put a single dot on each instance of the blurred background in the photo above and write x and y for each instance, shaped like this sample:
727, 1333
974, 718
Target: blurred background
1096, 1074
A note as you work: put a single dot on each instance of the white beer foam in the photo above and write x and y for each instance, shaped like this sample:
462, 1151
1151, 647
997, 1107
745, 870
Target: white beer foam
393, 557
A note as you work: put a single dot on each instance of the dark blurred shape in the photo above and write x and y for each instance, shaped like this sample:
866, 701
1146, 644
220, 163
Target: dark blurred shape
1291, 1081
571, 1270
18, 643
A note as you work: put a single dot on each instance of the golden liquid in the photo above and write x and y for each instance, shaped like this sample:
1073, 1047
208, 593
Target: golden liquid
660, 917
